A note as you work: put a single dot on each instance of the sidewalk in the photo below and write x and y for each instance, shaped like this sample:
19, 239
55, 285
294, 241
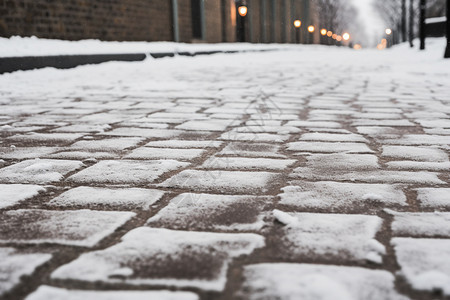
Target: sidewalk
311, 173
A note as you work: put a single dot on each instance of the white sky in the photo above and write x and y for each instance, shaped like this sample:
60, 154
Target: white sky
374, 24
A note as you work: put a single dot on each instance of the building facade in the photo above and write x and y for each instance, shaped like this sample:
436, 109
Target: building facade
211, 21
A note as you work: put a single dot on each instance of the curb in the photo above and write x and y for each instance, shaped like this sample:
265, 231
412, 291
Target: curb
12, 64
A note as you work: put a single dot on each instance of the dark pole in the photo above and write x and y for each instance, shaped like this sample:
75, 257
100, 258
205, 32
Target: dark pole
403, 20
411, 23
423, 6
297, 35
447, 50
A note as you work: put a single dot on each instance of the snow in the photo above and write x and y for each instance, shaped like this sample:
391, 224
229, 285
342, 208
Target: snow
161, 153
208, 211
335, 195
12, 194
435, 224
14, 265
327, 147
33, 137
321, 162
434, 197
328, 236
77, 227
425, 263
268, 129
415, 153
316, 282
93, 197
223, 181
39, 171
436, 20
205, 255
229, 163
45, 292
126, 171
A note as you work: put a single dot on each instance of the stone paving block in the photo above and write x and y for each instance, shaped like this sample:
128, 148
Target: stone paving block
208, 125
252, 150
424, 154
14, 265
227, 182
184, 144
339, 195
419, 165
162, 153
380, 176
78, 227
254, 137
341, 162
268, 129
98, 198
45, 138
145, 132
244, 163
314, 124
312, 282
111, 144
83, 128
328, 147
207, 211
126, 171
418, 140
329, 236
12, 194
435, 224
324, 137
165, 258
388, 123
45, 292
425, 263
82, 155
39, 171
434, 197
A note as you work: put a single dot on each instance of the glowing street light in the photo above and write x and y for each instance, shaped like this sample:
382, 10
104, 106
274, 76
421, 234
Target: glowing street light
334, 36
297, 23
388, 31
357, 47
242, 10
330, 33
311, 28
339, 38
346, 36
323, 31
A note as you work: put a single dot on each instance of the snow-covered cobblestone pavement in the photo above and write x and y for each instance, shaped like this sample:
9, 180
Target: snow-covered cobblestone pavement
316, 173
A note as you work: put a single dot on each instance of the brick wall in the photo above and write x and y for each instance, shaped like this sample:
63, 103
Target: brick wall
149, 20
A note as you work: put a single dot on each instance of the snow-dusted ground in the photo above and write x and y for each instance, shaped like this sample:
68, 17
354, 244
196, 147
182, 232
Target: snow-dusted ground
306, 173
32, 46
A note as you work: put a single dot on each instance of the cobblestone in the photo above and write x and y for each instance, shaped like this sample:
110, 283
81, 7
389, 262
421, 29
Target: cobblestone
248, 176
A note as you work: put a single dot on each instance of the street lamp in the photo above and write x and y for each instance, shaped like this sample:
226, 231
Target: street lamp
329, 33
242, 10
346, 36
388, 31
297, 25
311, 29
323, 31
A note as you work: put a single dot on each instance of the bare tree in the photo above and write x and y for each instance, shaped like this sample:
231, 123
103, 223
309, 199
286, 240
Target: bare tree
337, 16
